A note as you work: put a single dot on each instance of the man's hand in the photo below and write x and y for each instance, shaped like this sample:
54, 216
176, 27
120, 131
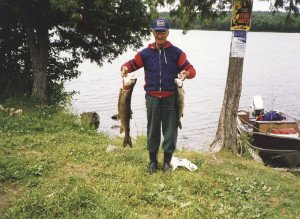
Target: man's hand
124, 71
183, 75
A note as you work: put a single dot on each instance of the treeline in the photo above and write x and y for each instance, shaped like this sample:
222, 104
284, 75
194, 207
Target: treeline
261, 21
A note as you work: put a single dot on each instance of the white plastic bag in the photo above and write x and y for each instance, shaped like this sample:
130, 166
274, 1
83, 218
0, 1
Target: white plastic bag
182, 162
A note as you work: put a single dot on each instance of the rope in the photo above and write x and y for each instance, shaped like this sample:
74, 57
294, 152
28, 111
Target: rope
233, 112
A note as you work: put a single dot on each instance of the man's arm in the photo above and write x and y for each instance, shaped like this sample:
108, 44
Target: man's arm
188, 70
132, 65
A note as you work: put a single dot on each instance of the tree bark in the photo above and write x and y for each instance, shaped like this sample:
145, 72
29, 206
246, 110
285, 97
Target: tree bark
38, 43
226, 135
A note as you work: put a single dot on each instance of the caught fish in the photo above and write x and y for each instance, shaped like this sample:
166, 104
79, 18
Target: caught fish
180, 100
124, 107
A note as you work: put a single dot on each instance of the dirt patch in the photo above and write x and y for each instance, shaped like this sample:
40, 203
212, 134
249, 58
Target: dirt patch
7, 192
4, 203
274, 201
32, 153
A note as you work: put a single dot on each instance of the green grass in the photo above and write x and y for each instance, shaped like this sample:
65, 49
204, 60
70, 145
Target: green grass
51, 166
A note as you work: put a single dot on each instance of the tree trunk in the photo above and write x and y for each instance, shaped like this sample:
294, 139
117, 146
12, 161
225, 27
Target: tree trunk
38, 42
226, 135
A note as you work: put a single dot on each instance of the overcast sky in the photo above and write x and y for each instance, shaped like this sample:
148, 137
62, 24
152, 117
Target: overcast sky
261, 5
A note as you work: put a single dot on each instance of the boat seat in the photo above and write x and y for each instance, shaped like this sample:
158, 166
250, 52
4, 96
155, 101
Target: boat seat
265, 126
283, 131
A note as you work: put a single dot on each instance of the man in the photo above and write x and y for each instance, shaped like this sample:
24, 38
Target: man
162, 63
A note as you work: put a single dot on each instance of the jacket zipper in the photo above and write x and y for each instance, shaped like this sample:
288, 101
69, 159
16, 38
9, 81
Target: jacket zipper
159, 70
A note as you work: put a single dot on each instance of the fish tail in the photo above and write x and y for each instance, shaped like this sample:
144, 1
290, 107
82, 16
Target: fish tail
127, 141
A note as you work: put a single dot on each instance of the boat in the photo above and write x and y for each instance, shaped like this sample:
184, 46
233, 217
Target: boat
275, 134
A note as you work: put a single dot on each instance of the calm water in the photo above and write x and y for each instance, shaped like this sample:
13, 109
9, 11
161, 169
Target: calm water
271, 69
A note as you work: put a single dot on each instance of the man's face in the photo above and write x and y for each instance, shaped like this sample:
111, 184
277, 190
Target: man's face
160, 37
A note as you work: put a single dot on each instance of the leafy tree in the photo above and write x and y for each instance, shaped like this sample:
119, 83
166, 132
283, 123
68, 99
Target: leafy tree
98, 30
14, 61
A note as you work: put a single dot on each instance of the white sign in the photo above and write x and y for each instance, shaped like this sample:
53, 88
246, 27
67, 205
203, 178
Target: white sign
238, 43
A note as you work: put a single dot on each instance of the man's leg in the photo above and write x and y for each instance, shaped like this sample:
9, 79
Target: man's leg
153, 130
169, 128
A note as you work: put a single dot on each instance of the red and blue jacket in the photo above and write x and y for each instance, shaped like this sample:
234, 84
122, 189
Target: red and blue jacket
161, 68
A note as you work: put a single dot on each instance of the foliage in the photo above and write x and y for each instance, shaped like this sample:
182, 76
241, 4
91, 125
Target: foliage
95, 30
53, 167
100, 30
187, 12
15, 68
243, 148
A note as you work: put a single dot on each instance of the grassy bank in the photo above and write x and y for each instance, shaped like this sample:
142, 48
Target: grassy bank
51, 166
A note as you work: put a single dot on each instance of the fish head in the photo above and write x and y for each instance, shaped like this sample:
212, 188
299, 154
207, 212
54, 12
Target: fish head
129, 81
178, 82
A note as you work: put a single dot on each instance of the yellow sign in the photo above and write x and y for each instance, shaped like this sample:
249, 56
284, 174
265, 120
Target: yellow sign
241, 15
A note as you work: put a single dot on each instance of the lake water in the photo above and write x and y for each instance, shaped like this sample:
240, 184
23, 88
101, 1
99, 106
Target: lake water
271, 69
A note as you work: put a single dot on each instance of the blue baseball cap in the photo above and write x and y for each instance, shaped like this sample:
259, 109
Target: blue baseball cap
160, 24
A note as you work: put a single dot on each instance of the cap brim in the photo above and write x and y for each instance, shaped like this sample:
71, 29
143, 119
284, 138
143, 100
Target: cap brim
160, 28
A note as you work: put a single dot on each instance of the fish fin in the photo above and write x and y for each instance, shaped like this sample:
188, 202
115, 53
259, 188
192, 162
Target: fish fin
115, 117
127, 141
179, 125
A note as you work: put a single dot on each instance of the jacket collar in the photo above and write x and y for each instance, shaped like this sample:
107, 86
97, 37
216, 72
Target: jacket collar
167, 45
